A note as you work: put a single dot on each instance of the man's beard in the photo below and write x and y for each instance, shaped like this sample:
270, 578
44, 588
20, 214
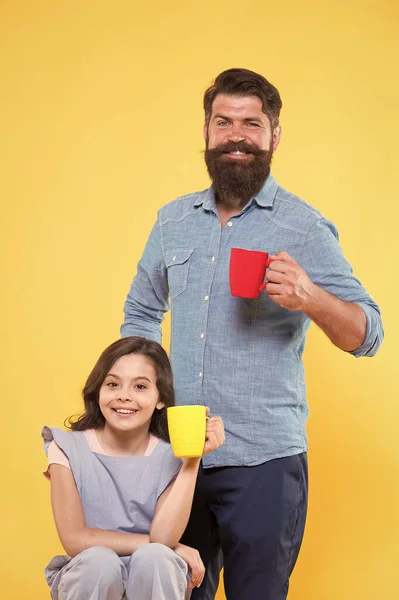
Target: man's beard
235, 181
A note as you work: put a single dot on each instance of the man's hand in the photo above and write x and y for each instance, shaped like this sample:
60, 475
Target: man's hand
194, 563
290, 287
288, 284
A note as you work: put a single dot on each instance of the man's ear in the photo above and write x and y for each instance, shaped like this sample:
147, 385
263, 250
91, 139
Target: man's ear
205, 132
276, 137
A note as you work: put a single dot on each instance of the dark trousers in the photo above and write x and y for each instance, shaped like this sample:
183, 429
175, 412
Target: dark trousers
250, 520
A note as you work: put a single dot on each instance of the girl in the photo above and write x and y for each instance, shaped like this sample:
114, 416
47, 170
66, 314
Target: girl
120, 498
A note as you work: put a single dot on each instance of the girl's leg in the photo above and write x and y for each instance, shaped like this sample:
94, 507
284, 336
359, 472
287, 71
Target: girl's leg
95, 574
156, 573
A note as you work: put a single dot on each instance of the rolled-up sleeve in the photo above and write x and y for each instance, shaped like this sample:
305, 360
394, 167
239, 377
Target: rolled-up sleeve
147, 300
324, 262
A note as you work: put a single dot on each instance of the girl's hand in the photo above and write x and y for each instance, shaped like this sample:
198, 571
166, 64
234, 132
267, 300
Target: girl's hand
194, 563
214, 437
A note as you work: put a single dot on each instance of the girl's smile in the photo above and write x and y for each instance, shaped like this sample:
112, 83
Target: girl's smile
125, 412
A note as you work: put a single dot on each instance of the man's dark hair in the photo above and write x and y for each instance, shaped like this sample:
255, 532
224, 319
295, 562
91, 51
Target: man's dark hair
242, 82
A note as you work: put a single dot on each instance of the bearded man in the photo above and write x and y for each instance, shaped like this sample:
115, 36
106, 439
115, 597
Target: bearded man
243, 357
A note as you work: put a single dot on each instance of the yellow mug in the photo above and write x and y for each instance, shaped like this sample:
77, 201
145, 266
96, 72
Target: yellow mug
187, 428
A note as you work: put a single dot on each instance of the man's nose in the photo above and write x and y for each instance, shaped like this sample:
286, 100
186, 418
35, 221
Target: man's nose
236, 134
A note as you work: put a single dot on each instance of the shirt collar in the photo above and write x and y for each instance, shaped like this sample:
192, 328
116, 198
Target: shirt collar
268, 192
207, 199
264, 198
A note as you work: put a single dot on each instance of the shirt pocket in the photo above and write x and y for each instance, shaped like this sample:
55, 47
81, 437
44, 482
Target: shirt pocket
178, 264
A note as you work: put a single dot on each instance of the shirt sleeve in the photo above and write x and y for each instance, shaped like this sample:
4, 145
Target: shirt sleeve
55, 456
169, 471
148, 298
324, 262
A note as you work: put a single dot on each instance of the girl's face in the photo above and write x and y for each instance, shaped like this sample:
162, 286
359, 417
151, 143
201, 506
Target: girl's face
129, 394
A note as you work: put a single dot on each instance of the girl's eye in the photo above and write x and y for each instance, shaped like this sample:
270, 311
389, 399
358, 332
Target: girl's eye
112, 384
140, 386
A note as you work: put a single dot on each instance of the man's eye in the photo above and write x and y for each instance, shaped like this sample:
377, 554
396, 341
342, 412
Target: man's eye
253, 124
222, 123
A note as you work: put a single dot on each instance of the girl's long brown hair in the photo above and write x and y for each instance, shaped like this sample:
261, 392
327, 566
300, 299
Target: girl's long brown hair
92, 417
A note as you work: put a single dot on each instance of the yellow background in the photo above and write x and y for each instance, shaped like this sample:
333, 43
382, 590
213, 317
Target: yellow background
101, 125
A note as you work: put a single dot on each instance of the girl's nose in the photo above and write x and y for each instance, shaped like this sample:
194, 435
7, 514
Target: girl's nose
124, 397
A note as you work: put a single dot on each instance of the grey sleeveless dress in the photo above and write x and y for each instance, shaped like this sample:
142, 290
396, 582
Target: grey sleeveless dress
117, 493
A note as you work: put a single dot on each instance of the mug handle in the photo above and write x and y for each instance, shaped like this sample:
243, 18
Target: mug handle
263, 285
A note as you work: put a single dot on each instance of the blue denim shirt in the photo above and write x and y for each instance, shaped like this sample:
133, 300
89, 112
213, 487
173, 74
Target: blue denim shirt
242, 358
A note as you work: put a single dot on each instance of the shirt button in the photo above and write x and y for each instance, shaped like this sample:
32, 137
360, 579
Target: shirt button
229, 224
202, 336
206, 297
213, 259
174, 258
200, 373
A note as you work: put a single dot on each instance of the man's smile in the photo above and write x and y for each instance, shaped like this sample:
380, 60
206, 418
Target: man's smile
237, 154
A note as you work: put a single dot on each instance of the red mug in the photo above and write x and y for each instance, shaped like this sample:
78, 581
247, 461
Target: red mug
247, 272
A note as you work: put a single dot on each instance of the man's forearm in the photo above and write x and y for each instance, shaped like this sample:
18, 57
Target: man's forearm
135, 324
343, 322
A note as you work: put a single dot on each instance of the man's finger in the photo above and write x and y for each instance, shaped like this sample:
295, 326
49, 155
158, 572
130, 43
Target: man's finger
282, 256
275, 275
280, 266
274, 289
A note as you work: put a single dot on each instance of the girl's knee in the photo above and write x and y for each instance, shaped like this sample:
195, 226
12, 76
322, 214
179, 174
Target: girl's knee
99, 561
93, 569
152, 553
153, 557
157, 567
99, 556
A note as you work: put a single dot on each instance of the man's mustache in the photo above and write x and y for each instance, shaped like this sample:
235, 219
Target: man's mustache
236, 147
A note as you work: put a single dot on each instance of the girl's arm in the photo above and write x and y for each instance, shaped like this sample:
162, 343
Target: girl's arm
69, 520
174, 505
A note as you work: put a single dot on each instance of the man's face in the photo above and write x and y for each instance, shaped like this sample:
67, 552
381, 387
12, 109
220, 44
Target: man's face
239, 146
236, 118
